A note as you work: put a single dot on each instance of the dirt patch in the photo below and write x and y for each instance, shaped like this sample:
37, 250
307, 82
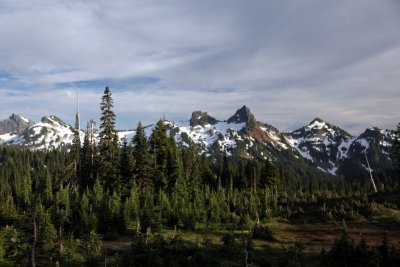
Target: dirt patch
320, 236
122, 243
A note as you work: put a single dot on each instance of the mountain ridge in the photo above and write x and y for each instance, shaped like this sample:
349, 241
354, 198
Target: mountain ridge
327, 147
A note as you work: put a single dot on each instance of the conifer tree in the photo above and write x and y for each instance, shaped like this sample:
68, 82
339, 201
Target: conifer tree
74, 158
225, 173
48, 193
27, 185
159, 150
173, 168
108, 144
86, 159
142, 168
270, 176
192, 169
253, 174
126, 167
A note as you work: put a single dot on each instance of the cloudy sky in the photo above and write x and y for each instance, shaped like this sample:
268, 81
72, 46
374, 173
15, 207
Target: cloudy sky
289, 61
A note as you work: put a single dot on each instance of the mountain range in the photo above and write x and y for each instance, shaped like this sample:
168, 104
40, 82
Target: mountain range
318, 145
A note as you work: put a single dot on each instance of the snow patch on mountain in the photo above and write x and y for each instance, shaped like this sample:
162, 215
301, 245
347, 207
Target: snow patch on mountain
316, 124
343, 148
24, 119
6, 137
303, 151
364, 143
226, 134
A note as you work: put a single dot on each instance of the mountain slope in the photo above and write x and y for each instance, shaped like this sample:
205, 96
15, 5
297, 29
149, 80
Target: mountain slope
322, 143
333, 150
376, 145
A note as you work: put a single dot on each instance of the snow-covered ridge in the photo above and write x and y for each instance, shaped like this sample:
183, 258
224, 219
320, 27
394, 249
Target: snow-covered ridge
226, 134
51, 132
328, 147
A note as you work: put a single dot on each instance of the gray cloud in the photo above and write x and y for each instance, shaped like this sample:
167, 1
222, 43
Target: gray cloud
289, 61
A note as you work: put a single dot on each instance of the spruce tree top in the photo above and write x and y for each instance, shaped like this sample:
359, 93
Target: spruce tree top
107, 119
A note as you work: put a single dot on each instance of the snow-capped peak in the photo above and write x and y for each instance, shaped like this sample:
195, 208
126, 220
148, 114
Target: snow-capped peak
51, 132
322, 143
317, 123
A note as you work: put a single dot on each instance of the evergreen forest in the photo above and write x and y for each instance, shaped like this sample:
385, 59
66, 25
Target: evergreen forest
151, 202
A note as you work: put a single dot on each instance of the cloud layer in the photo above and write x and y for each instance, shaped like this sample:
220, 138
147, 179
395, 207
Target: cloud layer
289, 61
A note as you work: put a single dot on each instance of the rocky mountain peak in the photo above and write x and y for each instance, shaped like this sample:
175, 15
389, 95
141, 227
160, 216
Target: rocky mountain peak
243, 115
15, 124
319, 126
53, 120
201, 118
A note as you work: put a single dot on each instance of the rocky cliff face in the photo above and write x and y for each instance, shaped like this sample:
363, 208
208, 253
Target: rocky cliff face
243, 115
201, 118
15, 124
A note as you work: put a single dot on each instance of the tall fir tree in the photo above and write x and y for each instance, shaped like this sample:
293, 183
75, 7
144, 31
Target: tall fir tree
174, 166
191, 169
27, 185
126, 167
225, 172
159, 150
270, 176
108, 144
142, 167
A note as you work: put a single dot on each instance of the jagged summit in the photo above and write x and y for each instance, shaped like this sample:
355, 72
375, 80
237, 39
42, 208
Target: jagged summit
324, 144
201, 118
15, 124
320, 127
244, 115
